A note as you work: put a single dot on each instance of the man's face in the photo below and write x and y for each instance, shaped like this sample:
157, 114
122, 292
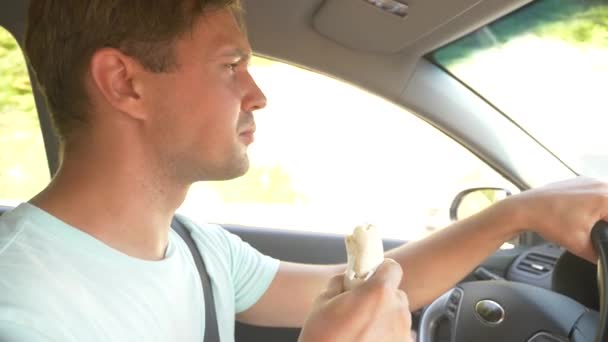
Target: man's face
202, 119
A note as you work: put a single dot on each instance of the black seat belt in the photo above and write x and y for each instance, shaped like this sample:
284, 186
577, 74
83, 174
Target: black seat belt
211, 329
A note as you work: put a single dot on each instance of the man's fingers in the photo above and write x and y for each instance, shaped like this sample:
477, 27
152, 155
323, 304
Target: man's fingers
334, 287
403, 299
589, 253
388, 274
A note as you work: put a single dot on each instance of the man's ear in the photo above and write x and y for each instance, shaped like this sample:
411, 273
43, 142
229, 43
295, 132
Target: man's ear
115, 75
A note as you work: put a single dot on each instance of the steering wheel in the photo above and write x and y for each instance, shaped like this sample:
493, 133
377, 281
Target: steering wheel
506, 311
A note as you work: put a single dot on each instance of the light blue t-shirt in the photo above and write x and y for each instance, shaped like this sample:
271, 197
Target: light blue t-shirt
58, 283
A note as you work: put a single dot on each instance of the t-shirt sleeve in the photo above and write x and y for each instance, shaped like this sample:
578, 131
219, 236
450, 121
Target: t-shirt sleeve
252, 272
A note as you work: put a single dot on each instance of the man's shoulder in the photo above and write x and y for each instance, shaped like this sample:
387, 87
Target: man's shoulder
201, 230
12, 225
30, 250
23, 269
211, 239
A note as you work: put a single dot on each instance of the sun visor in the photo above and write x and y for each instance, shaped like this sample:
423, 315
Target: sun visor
384, 26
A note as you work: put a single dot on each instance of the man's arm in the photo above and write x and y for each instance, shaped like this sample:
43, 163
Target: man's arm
291, 295
562, 212
433, 265
438, 262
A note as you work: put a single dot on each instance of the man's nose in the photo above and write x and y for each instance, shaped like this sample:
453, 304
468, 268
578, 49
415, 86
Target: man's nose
255, 98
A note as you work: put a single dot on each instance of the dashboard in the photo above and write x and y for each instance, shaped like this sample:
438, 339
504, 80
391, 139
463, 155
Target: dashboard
552, 267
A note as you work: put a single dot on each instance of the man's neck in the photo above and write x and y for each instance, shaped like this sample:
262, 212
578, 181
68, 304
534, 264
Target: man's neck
122, 204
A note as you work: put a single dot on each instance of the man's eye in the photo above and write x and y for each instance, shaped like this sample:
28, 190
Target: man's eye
232, 66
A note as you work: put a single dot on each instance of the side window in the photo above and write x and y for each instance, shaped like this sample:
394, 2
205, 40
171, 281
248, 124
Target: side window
329, 156
23, 165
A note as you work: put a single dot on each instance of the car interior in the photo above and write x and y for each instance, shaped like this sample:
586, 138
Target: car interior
387, 48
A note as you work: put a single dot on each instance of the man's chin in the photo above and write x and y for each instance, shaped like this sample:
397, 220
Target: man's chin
237, 175
235, 171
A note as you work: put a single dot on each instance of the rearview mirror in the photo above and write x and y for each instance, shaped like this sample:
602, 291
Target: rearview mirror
472, 201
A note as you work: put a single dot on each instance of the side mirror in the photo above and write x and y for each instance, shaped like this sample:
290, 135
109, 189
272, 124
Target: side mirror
472, 201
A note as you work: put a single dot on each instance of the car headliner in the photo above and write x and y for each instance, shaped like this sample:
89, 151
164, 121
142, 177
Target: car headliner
360, 43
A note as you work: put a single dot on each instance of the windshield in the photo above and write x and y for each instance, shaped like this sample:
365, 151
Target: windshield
546, 67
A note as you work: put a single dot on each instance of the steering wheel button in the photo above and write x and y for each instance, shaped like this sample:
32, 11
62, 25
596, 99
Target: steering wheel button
490, 311
455, 297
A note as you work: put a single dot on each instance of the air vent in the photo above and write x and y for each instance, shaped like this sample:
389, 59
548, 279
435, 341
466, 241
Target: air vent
537, 264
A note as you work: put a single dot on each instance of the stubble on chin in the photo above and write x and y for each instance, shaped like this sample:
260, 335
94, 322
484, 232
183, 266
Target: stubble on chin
191, 169
233, 168
240, 167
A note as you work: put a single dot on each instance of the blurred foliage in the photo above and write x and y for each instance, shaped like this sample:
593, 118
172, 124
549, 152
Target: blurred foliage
576, 21
16, 91
589, 27
23, 165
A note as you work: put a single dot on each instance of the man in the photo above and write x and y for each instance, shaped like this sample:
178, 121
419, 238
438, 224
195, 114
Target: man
149, 97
